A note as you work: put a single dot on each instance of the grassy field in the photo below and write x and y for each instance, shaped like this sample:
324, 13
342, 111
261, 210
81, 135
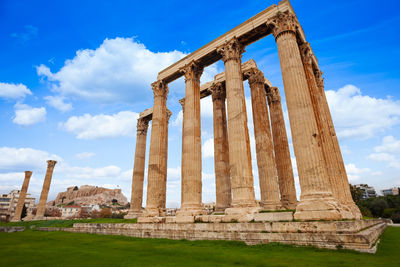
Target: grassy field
34, 248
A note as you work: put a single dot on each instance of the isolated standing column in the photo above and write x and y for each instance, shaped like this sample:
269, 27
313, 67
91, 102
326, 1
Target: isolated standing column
41, 208
157, 159
191, 203
281, 148
316, 201
221, 149
22, 196
243, 198
138, 169
264, 148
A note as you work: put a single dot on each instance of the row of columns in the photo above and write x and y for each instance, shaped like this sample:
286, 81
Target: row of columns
325, 192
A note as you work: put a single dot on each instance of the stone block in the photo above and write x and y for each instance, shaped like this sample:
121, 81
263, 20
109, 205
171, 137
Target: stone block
151, 219
273, 216
180, 219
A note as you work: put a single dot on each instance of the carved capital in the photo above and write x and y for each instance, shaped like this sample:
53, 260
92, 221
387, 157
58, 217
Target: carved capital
51, 163
169, 113
28, 173
306, 54
182, 102
142, 126
254, 75
283, 22
231, 50
192, 71
218, 91
273, 95
319, 79
160, 88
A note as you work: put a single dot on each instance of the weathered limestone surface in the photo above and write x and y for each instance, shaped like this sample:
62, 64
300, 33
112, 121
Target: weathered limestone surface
243, 198
357, 235
273, 216
191, 203
165, 167
156, 176
221, 149
281, 148
264, 148
22, 196
138, 169
41, 208
316, 196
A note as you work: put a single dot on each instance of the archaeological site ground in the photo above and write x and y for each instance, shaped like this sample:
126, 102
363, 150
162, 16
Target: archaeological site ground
323, 227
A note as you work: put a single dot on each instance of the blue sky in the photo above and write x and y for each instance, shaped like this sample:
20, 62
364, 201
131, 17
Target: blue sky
75, 74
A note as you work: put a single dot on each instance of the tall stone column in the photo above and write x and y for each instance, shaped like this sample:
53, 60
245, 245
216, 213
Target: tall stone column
191, 203
316, 201
221, 149
164, 187
182, 102
21, 198
281, 148
41, 208
264, 148
334, 160
243, 198
157, 159
138, 169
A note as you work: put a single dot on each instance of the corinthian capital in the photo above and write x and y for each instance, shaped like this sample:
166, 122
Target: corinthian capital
51, 163
306, 54
182, 102
218, 91
192, 71
283, 22
169, 113
232, 49
142, 126
254, 75
273, 95
160, 88
319, 79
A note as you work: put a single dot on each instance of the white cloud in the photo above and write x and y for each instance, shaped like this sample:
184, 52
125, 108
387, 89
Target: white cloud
57, 102
361, 116
101, 126
118, 70
388, 152
208, 148
85, 155
206, 107
27, 115
353, 173
13, 91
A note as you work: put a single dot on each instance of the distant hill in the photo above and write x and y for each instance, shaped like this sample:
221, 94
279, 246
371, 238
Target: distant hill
90, 195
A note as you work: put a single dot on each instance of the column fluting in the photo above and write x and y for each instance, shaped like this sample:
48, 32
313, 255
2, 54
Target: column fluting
267, 173
21, 197
41, 208
221, 149
316, 201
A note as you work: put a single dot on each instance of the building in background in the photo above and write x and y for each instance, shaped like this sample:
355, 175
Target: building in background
71, 211
394, 191
368, 191
8, 203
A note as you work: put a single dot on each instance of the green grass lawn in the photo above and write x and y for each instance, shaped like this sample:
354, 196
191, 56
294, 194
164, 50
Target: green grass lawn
34, 248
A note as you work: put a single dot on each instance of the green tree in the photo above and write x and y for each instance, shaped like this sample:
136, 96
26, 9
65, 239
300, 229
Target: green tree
356, 193
24, 212
377, 207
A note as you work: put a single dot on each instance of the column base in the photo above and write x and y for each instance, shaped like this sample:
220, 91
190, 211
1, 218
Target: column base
318, 209
191, 211
153, 212
15, 220
133, 214
270, 205
289, 205
242, 210
351, 211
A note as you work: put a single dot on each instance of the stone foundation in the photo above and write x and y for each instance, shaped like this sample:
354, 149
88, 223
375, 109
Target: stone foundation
360, 235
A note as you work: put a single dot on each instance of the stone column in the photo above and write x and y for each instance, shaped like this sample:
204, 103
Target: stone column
41, 208
164, 187
221, 149
316, 201
264, 148
281, 148
138, 169
243, 198
331, 148
191, 203
156, 172
182, 102
21, 198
